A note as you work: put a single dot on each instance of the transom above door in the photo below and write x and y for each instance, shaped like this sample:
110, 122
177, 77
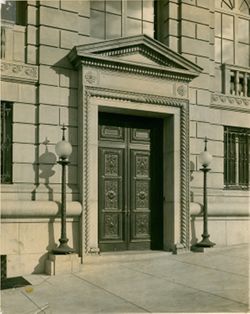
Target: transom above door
130, 183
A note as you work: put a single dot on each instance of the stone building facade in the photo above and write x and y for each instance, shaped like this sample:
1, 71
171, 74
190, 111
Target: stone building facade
139, 85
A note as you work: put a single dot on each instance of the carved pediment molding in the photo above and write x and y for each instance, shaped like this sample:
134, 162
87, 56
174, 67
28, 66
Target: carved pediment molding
143, 51
138, 54
19, 72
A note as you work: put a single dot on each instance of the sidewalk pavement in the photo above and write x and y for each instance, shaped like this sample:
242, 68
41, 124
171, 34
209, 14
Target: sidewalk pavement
141, 282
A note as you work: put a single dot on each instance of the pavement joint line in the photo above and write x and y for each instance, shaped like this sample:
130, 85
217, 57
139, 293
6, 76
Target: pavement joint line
40, 308
244, 258
187, 286
213, 268
117, 296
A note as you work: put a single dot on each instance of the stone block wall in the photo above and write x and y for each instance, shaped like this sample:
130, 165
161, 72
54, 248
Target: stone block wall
54, 28
194, 39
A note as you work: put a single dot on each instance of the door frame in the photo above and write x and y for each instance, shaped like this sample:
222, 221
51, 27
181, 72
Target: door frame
175, 163
126, 147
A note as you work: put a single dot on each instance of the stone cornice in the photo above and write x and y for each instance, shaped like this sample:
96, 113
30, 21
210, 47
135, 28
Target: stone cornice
19, 72
131, 67
230, 102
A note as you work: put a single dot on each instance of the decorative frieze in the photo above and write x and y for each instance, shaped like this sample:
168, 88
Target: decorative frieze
16, 71
230, 102
19, 72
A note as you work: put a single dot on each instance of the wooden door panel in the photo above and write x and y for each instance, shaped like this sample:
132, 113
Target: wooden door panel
111, 193
140, 196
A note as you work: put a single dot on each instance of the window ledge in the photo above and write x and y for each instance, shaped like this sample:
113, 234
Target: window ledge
236, 67
236, 188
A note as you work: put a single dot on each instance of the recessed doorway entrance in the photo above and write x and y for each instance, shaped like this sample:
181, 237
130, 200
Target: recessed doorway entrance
130, 187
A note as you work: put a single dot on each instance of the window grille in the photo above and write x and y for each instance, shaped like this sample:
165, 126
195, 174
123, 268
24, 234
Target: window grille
6, 142
236, 157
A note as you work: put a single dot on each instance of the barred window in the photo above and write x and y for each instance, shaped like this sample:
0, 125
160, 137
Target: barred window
236, 157
6, 142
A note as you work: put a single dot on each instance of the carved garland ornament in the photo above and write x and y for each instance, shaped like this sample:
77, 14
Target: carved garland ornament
230, 102
145, 98
19, 71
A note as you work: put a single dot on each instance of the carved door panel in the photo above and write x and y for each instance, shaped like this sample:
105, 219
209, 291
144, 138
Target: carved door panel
125, 191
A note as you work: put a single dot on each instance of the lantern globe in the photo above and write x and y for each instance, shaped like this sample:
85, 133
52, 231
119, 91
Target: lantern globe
205, 158
63, 149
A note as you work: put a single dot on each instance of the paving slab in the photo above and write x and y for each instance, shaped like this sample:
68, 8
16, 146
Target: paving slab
141, 282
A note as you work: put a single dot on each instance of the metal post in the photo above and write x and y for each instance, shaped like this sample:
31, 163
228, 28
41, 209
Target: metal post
63, 248
205, 242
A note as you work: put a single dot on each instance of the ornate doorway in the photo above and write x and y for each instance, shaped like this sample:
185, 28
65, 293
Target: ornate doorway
130, 189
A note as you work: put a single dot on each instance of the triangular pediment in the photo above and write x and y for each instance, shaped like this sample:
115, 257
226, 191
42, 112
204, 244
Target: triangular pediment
137, 51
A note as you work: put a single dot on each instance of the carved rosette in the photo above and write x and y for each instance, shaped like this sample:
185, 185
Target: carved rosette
91, 77
111, 225
111, 194
142, 194
181, 90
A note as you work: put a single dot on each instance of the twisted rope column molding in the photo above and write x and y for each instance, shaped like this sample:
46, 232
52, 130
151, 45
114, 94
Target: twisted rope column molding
85, 169
184, 236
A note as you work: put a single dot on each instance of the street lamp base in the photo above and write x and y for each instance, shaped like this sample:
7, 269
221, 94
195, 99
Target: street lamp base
205, 242
63, 248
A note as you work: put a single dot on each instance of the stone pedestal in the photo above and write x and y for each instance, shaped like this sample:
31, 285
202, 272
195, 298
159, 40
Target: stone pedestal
199, 249
62, 264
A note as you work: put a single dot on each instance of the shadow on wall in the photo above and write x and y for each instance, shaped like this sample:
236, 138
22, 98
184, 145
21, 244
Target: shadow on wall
68, 115
39, 269
46, 162
194, 239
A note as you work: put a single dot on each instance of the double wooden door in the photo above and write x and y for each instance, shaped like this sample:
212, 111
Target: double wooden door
130, 183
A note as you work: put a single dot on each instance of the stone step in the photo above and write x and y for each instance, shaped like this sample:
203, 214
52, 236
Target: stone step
112, 257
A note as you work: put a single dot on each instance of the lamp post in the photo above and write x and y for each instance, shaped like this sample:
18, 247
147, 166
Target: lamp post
63, 150
205, 160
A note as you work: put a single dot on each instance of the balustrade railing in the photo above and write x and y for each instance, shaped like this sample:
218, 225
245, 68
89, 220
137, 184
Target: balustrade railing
236, 80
